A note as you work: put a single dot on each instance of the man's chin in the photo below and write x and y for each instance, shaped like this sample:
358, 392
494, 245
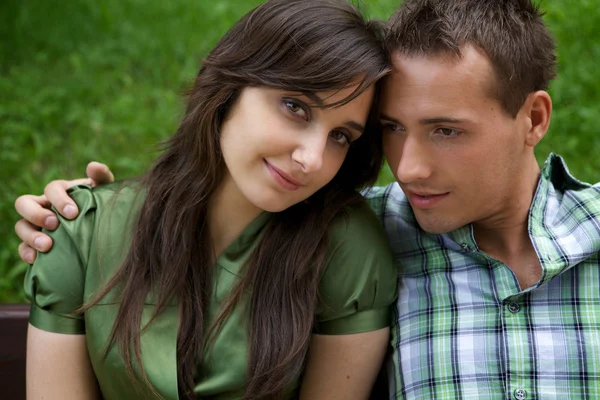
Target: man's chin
437, 226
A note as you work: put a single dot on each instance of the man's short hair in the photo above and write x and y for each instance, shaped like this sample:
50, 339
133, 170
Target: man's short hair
511, 33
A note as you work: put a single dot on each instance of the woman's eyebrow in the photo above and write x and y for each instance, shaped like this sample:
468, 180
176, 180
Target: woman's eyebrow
318, 101
355, 125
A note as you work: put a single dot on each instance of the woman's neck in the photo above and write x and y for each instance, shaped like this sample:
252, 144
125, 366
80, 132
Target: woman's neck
229, 213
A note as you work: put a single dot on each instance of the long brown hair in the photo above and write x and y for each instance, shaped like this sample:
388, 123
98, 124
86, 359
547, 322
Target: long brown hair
306, 46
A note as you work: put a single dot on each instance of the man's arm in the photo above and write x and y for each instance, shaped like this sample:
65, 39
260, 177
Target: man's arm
36, 214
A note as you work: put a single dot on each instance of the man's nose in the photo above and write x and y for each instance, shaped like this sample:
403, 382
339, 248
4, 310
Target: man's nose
415, 162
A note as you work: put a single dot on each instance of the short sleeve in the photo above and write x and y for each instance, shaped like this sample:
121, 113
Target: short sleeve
358, 284
55, 283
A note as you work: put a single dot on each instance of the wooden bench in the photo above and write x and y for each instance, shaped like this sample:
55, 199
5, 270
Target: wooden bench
13, 339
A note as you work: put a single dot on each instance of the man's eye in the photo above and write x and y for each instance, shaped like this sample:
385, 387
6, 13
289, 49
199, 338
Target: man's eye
391, 127
295, 109
448, 132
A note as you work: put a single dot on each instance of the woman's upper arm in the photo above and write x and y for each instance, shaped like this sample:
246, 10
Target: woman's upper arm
358, 286
55, 283
343, 366
58, 367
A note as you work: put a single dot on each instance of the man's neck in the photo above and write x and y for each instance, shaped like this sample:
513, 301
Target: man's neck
505, 235
513, 247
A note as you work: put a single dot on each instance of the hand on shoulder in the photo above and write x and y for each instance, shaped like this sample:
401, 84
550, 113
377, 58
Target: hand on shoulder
36, 212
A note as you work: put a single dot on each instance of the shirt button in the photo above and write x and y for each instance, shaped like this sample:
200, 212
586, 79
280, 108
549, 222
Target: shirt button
520, 394
465, 247
514, 308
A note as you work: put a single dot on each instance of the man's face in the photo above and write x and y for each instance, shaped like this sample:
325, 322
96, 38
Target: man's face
456, 153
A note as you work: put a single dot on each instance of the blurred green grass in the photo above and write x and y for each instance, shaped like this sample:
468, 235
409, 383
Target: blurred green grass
85, 80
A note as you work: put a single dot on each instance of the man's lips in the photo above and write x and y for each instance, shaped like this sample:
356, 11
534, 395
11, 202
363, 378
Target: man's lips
425, 200
283, 179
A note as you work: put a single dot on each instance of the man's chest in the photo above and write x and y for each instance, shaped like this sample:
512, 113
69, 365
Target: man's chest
463, 330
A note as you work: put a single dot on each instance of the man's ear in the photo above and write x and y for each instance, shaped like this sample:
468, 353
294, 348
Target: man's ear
538, 110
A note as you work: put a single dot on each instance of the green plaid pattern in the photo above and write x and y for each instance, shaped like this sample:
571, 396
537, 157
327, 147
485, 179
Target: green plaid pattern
464, 329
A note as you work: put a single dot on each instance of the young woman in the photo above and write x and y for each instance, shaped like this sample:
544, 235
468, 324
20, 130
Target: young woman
244, 264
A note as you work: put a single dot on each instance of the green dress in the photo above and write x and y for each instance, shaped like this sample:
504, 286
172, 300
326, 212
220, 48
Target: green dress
357, 287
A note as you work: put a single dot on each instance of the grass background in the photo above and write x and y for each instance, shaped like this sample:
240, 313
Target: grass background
86, 80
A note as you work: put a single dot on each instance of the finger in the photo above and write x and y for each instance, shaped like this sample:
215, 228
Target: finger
56, 193
26, 253
32, 237
99, 173
35, 210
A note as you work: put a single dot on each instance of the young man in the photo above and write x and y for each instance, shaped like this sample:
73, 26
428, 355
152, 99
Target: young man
499, 260
499, 293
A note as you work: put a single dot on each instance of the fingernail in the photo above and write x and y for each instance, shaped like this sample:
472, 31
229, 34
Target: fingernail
69, 211
29, 256
38, 242
51, 222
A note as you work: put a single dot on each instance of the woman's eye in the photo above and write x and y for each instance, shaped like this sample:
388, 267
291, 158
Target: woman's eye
340, 137
296, 109
448, 132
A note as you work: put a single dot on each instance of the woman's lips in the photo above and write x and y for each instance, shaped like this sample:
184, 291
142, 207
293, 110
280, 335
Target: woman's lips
282, 178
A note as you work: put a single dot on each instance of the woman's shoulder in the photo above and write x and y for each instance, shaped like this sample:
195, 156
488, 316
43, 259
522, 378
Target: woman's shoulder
359, 226
122, 194
57, 283
105, 218
114, 201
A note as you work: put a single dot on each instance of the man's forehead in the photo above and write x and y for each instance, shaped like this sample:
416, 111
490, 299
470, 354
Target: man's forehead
471, 61
429, 84
472, 67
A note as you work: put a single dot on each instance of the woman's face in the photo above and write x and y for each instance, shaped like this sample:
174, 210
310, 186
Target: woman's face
280, 149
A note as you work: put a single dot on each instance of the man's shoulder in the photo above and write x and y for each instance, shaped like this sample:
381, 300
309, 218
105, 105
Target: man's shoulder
565, 216
564, 196
405, 236
389, 202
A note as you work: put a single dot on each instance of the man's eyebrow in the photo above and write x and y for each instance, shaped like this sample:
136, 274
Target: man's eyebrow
428, 121
441, 120
394, 120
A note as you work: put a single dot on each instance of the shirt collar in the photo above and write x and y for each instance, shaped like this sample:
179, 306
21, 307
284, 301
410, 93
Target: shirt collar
564, 219
248, 237
563, 222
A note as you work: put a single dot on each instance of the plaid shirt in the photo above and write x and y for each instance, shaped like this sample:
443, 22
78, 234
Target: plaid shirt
463, 327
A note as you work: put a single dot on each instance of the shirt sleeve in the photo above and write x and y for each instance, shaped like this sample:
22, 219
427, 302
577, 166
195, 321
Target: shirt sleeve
55, 283
358, 286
